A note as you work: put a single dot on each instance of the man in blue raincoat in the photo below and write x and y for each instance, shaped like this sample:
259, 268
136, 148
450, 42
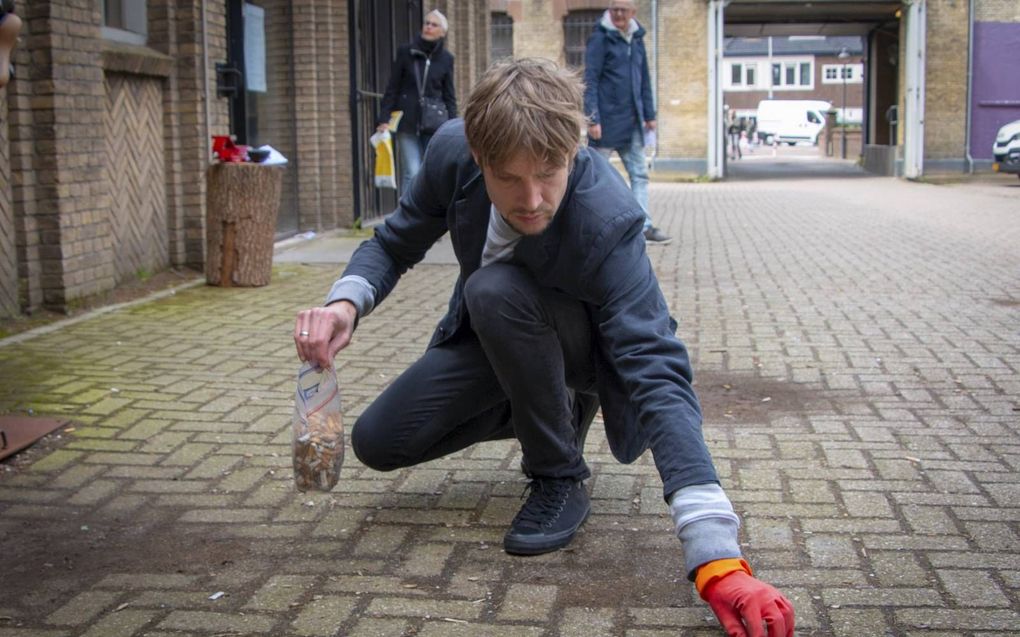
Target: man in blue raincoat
618, 98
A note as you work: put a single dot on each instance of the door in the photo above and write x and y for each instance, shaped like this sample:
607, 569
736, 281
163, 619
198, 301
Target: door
379, 27
257, 81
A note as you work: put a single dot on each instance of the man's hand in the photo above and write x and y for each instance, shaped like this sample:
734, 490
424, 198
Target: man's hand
743, 603
595, 131
382, 128
651, 124
321, 332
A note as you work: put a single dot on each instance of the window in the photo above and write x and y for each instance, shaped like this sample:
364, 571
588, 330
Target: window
742, 75
502, 36
577, 26
125, 21
834, 73
795, 74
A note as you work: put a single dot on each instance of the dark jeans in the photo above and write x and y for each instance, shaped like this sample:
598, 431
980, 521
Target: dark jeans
512, 375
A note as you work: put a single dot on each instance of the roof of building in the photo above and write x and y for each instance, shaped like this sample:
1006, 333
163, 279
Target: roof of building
794, 45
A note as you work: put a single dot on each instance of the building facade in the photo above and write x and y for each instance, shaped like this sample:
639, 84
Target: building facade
951, 119
830, 69
105, 130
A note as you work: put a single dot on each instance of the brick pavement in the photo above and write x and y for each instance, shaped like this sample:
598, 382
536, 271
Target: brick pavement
877, 478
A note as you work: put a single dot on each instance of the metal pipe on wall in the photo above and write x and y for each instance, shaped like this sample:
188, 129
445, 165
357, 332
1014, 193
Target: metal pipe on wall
970, 88
655, 70
205, 78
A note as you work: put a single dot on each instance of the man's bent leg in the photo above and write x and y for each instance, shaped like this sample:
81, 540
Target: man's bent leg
539, 342
540, 345
448, 400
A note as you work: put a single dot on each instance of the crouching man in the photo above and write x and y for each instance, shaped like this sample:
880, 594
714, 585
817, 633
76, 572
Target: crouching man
556, 311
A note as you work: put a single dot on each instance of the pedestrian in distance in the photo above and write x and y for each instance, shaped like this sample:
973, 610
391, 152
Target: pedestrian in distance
422, 70
10, 27
735, 131
618, 98
555, 312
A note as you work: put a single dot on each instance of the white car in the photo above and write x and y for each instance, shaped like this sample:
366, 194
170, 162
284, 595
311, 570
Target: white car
1006, 150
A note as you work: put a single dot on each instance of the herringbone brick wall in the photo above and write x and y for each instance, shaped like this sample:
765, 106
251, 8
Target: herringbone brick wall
135, 168
8, 262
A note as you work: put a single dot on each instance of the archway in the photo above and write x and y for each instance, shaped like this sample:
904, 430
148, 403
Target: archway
893, 114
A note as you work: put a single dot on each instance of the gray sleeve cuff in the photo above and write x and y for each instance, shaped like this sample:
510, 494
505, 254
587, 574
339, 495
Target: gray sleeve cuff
355, 289
706, 525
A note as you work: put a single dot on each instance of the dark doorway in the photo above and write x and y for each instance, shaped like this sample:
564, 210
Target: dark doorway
257, 81
379, 27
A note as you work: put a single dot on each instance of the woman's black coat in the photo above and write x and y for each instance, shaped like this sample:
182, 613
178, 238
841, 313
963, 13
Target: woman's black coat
402, 89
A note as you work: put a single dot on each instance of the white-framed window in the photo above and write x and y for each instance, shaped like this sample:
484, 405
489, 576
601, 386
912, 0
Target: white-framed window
793, 74
835, 73
125, 21
742, 75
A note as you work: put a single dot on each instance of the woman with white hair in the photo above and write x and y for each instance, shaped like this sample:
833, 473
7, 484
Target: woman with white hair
422, 76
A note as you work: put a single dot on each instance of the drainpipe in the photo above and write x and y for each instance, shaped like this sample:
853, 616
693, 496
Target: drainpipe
205, 76
970, 87
655, 72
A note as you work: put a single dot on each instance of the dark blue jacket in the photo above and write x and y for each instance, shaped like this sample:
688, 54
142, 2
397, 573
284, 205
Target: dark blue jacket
618, 87
594, 251
402, 89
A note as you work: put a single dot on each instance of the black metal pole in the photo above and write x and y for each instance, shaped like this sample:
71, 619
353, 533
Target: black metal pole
844, 110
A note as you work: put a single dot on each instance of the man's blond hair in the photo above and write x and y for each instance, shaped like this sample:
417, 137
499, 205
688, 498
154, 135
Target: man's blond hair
529, 105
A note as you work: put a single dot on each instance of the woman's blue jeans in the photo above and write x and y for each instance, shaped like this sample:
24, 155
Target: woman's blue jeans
633, 157
410, 150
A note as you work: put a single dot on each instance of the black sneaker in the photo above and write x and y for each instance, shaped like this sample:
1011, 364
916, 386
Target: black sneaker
554, 510
654, 235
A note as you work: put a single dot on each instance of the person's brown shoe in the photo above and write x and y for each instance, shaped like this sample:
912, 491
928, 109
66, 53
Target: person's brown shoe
10, 27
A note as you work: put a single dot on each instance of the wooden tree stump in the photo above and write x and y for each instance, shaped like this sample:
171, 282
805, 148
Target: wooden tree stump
242, 203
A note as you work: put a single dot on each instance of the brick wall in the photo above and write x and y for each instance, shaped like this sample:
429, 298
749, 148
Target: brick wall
946, 81
468, 39
683, 81
62, 210
57, 141
997, 10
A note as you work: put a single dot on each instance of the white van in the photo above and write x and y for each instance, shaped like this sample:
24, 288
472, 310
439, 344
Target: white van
791, 121
1006, 149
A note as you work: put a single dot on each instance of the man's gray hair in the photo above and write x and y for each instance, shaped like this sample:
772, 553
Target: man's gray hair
444, 24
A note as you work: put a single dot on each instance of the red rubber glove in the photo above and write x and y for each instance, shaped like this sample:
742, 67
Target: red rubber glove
743, 604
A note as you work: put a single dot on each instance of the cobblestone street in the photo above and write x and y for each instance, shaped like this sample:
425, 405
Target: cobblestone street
856, 344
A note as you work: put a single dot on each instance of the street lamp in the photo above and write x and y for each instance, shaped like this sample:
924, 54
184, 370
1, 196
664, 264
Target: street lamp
844, 55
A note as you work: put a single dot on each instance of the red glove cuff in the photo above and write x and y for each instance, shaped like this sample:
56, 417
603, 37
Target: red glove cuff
709, 572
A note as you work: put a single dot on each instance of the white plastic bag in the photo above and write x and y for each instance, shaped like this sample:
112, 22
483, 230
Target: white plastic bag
385, 169
318, 430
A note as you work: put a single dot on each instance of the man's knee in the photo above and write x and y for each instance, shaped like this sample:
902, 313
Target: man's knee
369, 449
489, 291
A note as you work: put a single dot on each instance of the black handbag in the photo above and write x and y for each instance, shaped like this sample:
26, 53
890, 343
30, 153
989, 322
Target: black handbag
433, 109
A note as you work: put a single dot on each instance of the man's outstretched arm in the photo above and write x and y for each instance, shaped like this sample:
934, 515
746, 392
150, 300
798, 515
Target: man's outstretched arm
707, 527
